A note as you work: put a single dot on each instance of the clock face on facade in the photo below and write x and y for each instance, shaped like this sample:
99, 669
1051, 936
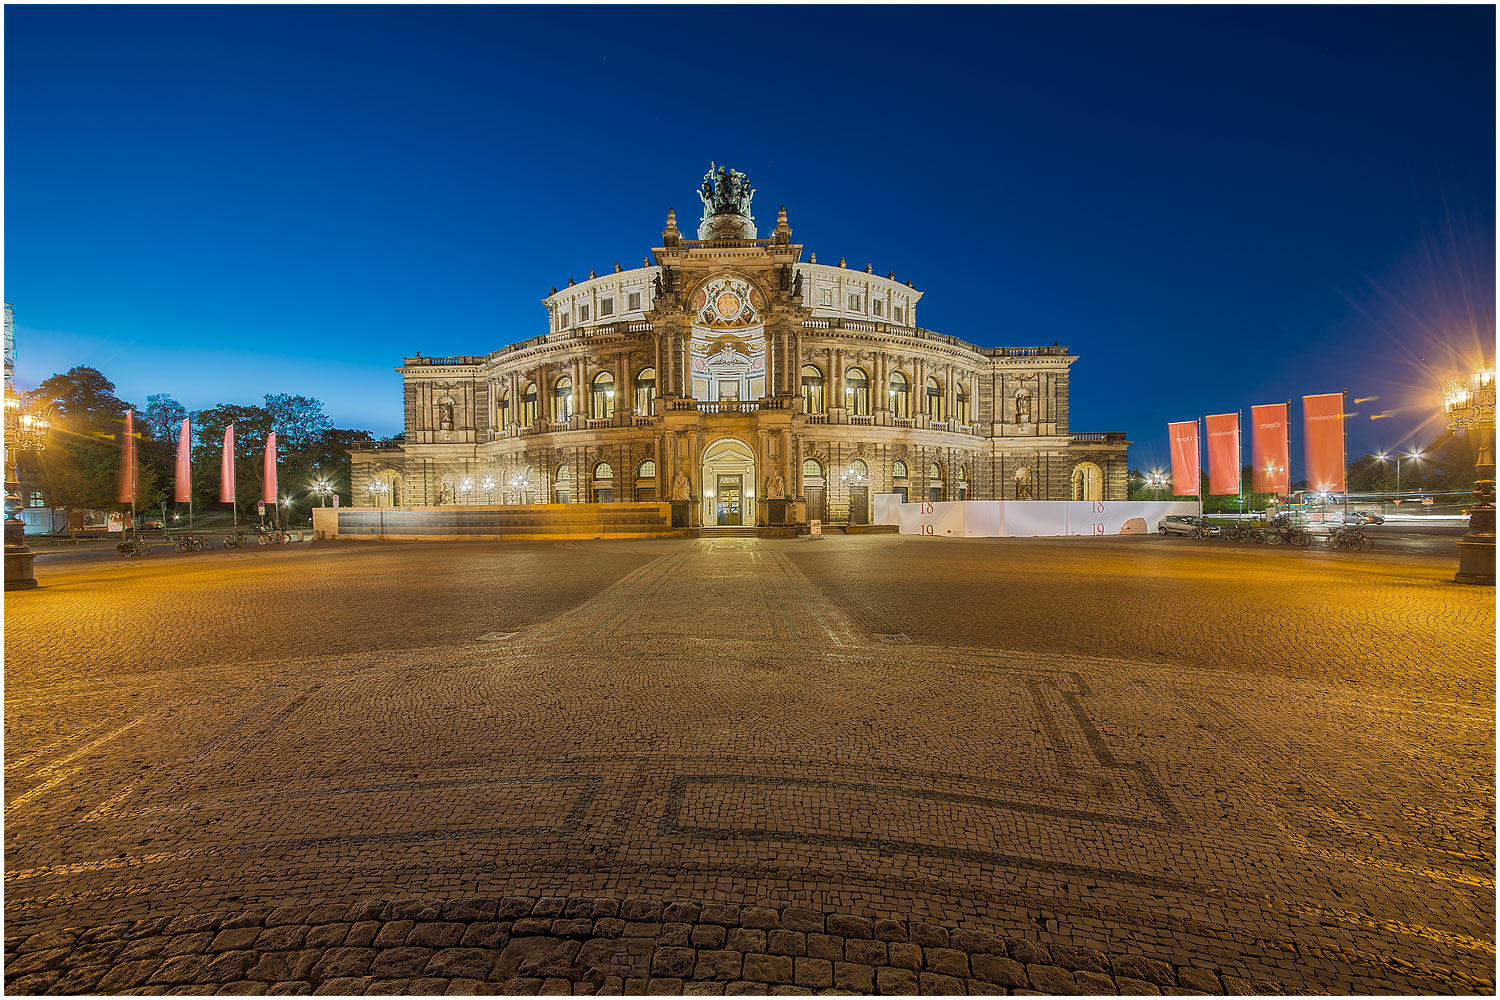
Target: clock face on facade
727, 302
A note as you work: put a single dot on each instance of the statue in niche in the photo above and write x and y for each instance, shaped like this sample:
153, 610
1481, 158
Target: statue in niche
1023, 407
445, 416
1023, 483
797, 285
775, 487
680, 486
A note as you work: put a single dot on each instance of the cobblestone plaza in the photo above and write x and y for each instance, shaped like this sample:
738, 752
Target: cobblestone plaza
865, 763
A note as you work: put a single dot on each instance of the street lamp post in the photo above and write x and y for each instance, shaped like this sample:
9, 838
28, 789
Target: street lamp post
1469, 403
26, 425
378, 490
489, 489
323, 490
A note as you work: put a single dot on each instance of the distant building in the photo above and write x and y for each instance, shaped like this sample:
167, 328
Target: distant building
10, 346
731, 369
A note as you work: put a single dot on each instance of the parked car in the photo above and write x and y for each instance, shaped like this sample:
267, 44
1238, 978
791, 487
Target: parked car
1357, 517
1184, 524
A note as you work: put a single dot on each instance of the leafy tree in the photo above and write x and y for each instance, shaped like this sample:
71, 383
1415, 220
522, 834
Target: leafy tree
299, 421
84, 397
251, 425
163, 417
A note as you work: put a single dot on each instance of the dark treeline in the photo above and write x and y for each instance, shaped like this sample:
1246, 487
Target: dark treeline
80, 466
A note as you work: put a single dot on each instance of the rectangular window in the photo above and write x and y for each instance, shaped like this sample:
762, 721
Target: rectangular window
606, 307
854, 302
901, 315
583, 314
562, 321
633, 301
825, 296
878, 307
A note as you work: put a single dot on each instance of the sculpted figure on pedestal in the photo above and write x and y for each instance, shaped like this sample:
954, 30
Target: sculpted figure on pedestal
775, 488
680, 486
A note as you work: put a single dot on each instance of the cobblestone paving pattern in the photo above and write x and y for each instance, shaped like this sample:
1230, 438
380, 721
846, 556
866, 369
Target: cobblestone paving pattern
1275, 768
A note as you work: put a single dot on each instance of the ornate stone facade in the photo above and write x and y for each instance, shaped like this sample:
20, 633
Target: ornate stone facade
732, 369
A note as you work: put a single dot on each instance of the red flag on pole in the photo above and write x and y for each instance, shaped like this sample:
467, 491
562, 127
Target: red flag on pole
226, 467
1323, 421
127, 460
1184, 439
1223, 433
268, 490
1268, 449
184, 490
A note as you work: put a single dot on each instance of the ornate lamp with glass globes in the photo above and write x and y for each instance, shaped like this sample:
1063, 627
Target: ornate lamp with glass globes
1469, 403
27, 421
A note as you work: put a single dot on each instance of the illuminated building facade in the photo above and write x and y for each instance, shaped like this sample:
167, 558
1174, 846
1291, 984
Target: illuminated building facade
729, 371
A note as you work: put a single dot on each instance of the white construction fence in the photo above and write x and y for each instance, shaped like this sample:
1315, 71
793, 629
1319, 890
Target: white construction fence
1026, 518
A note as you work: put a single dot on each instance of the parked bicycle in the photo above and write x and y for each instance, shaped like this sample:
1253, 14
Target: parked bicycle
1347, 536
272, 536
136, 545
1284, 529
236, 538
1242, 532
190, 542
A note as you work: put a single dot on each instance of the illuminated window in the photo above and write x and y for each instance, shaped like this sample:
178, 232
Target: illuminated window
811, 469
562, 399
898, 470
934, 399
961, 412
812, 388
602, 396
37, 501
528, 405
647, 470
645, 391
502, 413
562, 485
857, 391
899, 395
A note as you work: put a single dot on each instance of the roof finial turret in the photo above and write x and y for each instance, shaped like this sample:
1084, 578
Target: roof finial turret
671, 236
783, 232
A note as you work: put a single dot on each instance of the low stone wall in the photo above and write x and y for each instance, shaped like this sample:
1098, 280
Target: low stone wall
516, 522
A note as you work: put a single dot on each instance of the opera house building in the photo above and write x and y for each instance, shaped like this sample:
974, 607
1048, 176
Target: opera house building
751, 385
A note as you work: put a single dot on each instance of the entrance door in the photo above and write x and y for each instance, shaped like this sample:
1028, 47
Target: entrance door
814, 497
859, 505
727, 504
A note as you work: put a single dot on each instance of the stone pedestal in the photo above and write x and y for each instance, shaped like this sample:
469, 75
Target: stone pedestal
682, 513
18, 558
1476, 550
776, 511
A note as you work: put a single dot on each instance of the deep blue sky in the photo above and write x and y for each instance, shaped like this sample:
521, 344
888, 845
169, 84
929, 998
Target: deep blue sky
1212, 206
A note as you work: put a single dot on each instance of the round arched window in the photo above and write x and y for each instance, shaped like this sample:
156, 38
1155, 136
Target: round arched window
898, 470
859, 467
603, 471
647, 470
811, 469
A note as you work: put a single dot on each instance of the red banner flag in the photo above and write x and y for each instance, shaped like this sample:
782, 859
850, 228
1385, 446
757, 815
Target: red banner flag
226, 467
268, 490
128, 478
1323, 421
184, 492
1223, 433
1184, 439
1268, 449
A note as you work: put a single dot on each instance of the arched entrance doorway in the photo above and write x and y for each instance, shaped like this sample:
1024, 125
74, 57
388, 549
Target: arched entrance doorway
728, 483
1088, 481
